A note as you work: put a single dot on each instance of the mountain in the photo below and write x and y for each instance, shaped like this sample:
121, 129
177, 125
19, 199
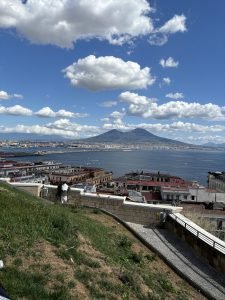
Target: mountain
211, 144
136, 136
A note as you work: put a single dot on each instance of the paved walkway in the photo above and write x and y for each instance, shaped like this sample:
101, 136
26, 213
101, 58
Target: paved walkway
181, 257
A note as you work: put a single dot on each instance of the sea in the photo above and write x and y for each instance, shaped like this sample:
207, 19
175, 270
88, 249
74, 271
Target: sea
190, 165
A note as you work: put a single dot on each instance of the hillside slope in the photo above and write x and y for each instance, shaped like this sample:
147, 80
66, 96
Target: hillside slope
55, 252
136, 136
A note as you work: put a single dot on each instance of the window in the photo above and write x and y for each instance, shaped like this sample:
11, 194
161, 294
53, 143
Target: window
192, 197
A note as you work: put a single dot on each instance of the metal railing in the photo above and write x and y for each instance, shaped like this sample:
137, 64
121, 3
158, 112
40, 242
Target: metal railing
220, 246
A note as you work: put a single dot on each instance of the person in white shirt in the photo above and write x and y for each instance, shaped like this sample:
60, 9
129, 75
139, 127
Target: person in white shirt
64, 196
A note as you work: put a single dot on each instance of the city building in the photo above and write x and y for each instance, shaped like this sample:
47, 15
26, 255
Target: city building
74, 175
195, 194
143, 182
19, 171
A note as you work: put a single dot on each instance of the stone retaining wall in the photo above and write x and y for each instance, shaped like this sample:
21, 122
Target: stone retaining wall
141, 213
213, 256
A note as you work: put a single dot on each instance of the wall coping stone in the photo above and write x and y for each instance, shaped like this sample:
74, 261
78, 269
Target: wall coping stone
26, 184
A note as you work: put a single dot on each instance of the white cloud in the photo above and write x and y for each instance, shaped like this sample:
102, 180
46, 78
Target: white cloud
172, 26
176, 130
47, 112
63, 22
166, 80
217, 139
175, 127
62, 127
62, 113
115, 120
5, 96
109, 103
175, 95
176, 24
117, 115
134, 98
108, 72
77, 129
158, 39
148, 108
169, 63
16, 110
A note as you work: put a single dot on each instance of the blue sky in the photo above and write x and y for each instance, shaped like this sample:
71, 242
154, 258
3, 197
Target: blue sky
75, 69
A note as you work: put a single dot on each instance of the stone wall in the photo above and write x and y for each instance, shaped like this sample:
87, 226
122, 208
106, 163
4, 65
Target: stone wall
213, 256
141, 213
32, 188
145, 214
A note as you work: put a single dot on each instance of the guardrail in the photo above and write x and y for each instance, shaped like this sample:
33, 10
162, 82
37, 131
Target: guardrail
212, 241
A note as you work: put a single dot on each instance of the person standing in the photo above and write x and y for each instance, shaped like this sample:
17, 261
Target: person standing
64, 193
59, 192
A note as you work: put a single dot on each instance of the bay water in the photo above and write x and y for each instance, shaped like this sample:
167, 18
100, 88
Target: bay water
190, 165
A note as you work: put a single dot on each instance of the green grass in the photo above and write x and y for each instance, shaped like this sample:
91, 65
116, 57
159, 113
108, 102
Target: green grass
26, 223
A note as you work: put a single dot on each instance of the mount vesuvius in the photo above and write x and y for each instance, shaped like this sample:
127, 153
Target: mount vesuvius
136, 136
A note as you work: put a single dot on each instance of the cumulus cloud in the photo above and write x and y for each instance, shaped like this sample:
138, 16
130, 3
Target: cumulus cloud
39, 130
62, 113
166, 80
63, 22
117, 114
77, 129
67, 129
158, 39
175, 95
185, 127
16, 110
172, 26
62, 127
217, 139
169, 63
142, 106
133, 98
6, 96
108, 72
115, 120
47, 112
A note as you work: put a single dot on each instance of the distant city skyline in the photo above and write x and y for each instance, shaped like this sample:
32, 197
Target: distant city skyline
75, 69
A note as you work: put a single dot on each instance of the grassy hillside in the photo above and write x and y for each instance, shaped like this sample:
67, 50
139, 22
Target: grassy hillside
55, 252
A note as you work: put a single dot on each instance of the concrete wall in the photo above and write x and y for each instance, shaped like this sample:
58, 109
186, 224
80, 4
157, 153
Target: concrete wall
213, 256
